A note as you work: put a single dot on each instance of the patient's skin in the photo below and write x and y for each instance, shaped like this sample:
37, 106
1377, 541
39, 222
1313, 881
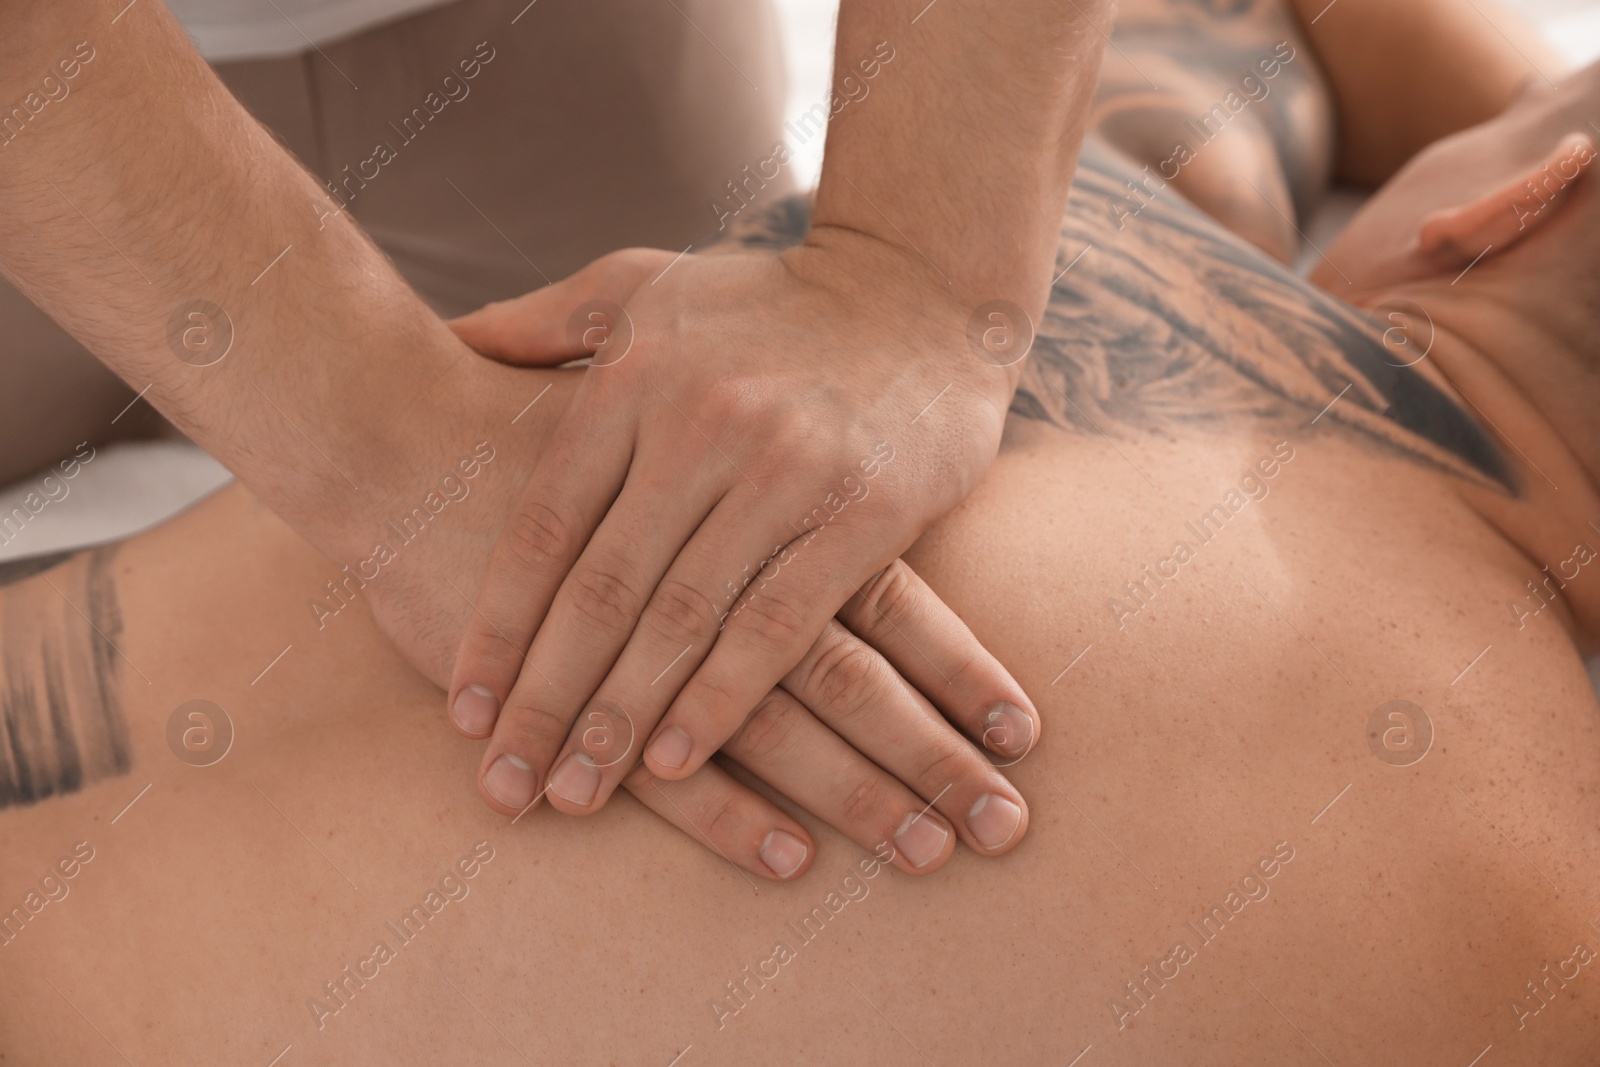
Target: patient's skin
1212, 735
1220, 730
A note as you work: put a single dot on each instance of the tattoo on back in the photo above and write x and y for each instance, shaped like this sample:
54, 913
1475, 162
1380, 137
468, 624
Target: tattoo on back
61, 722
1171, 321
1165, 316
1168, 321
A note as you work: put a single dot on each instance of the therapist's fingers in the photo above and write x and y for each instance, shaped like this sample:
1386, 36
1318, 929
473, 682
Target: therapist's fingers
674, 633
854, 691
572, 485
784, 745
594, 614
731, 820
897, 614
773, 625
581, 314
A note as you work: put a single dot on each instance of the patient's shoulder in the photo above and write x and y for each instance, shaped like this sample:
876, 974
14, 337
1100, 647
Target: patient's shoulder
1162, 321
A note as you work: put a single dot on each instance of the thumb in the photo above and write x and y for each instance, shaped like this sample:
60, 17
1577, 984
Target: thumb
565, 320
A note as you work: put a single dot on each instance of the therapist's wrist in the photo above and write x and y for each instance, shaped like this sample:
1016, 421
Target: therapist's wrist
359, 437
420, 535
894, 277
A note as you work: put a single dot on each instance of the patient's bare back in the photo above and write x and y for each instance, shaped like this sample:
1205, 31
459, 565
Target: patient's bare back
1297, 748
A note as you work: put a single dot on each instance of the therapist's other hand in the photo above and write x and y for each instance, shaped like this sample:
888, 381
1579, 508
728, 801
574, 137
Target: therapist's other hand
759, 436
806, 740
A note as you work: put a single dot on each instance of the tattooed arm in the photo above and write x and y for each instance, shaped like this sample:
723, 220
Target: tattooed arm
61, 721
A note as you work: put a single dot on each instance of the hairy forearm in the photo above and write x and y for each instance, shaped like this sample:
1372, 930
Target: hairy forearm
151, 216
963, 151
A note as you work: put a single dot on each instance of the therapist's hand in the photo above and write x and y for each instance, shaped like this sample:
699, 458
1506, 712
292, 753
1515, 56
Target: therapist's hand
758, 438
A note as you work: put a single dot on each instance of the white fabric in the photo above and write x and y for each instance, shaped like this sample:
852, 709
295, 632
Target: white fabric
256, 29
122, 489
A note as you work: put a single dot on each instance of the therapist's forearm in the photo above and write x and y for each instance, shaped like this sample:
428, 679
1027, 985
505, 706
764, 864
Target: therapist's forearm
962, 151
147, 188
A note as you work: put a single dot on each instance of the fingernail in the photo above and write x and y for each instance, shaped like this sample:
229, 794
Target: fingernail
783, 853
921, 839
993, 820
576, 780
510, 781
475, 710
671, 748
1008, 730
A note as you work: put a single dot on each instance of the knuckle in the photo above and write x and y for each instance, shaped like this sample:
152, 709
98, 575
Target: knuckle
681, 613
945, 763
533, 725
726, 400
485, 652
890, 598
711, 698
844, 676
768, 732
603, 597
722, 818
539, 538
866, 802
772, 622
970, 672
807, 435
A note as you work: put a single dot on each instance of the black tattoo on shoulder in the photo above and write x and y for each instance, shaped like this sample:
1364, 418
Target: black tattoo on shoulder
61, 721
1171, 320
